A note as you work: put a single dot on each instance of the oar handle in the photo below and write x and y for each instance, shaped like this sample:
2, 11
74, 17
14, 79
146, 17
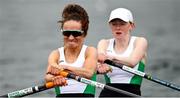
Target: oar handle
49, 85
113, 63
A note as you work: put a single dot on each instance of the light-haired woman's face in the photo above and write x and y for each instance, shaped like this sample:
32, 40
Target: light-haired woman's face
120, 28
73, 34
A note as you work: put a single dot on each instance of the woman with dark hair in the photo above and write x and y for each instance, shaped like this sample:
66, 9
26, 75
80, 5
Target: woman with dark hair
74, 56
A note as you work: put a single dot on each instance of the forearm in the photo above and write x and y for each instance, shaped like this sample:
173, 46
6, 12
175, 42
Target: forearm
53, 58
125, 61
84, 72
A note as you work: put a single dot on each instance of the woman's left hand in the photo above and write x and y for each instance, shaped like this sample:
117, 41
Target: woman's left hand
54, 70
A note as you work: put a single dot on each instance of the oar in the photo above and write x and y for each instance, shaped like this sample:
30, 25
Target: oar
144, 75
96, 84
29, 91
32, 90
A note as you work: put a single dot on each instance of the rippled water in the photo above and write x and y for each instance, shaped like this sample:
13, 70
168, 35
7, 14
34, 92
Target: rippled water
29, 32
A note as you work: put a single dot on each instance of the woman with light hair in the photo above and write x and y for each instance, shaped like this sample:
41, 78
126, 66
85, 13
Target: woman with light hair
123, 49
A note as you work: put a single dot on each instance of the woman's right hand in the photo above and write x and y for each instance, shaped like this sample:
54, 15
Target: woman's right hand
59, 81
103, 68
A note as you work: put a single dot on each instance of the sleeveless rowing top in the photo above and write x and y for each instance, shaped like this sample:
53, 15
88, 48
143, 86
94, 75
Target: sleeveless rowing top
73, 85
118, 75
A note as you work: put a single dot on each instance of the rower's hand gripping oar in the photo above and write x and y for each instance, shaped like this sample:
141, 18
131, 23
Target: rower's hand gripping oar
142, 74
35, 89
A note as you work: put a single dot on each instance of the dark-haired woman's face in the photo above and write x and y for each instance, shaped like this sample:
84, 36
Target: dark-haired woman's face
73, 34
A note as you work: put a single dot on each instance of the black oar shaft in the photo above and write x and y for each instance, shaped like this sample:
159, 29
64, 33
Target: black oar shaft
25, 92
96, 84
99, 85
29, 91
120, 91
142, 74
162, 82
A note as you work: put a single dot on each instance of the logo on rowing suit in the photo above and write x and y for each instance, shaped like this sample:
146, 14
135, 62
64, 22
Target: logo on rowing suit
108, 51
61, 61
